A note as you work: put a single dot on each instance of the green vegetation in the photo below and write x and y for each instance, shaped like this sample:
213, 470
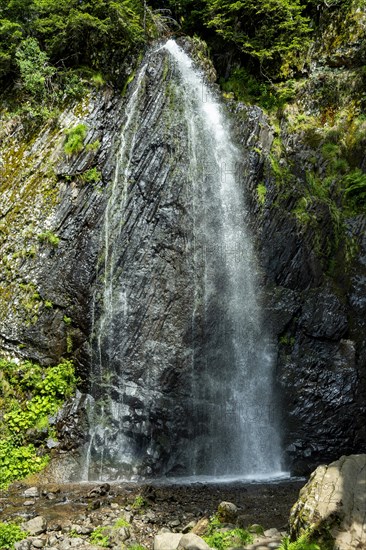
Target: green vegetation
50, 39
268, 31
301, 543
75, 137
35, 71
99, 538
49, 237
94, 146
261, 193
287, 340
91, 176
228, 539
139, 502
217, 536
30, 394
9, 534
121, 522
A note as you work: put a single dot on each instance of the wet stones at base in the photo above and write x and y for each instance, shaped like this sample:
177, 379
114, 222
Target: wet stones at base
70, 519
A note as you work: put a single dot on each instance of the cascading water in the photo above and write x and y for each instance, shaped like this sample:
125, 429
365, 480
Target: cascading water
183, 371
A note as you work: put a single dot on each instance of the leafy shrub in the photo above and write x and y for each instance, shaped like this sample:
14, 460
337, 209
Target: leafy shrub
301, 543
99, 538
355, 188
35, 71
75, 139
227, 539
30, 395
217, 538
9, 534
17, 462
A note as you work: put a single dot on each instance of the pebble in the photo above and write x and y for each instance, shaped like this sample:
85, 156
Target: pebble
32, 492
29, 503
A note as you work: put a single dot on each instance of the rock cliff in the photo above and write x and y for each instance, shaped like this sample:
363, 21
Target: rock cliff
313, 262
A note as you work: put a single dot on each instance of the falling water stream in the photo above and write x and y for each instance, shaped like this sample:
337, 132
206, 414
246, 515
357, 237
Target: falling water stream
224, 396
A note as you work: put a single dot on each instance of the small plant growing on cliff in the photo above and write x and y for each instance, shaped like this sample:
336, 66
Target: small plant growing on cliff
49, 237
75, 139
94, 146
9, 534
91, 176
261, 193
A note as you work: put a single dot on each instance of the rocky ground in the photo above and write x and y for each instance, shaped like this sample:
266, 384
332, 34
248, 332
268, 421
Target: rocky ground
64, 516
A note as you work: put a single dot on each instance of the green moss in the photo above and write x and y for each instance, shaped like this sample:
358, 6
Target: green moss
261, 193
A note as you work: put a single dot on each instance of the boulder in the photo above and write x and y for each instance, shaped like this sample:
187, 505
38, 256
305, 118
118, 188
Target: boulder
190, 541
201, 526
227, 512
332, 505
35, 526
167, 541
32, 492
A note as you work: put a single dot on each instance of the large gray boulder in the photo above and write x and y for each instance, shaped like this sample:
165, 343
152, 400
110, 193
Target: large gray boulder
167, 541
332, 505
35, 526
190, 541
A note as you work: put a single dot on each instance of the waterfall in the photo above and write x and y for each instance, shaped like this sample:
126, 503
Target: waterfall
182, 380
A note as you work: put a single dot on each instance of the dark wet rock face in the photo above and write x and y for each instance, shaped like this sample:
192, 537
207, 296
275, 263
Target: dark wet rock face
319, 320
46, 286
